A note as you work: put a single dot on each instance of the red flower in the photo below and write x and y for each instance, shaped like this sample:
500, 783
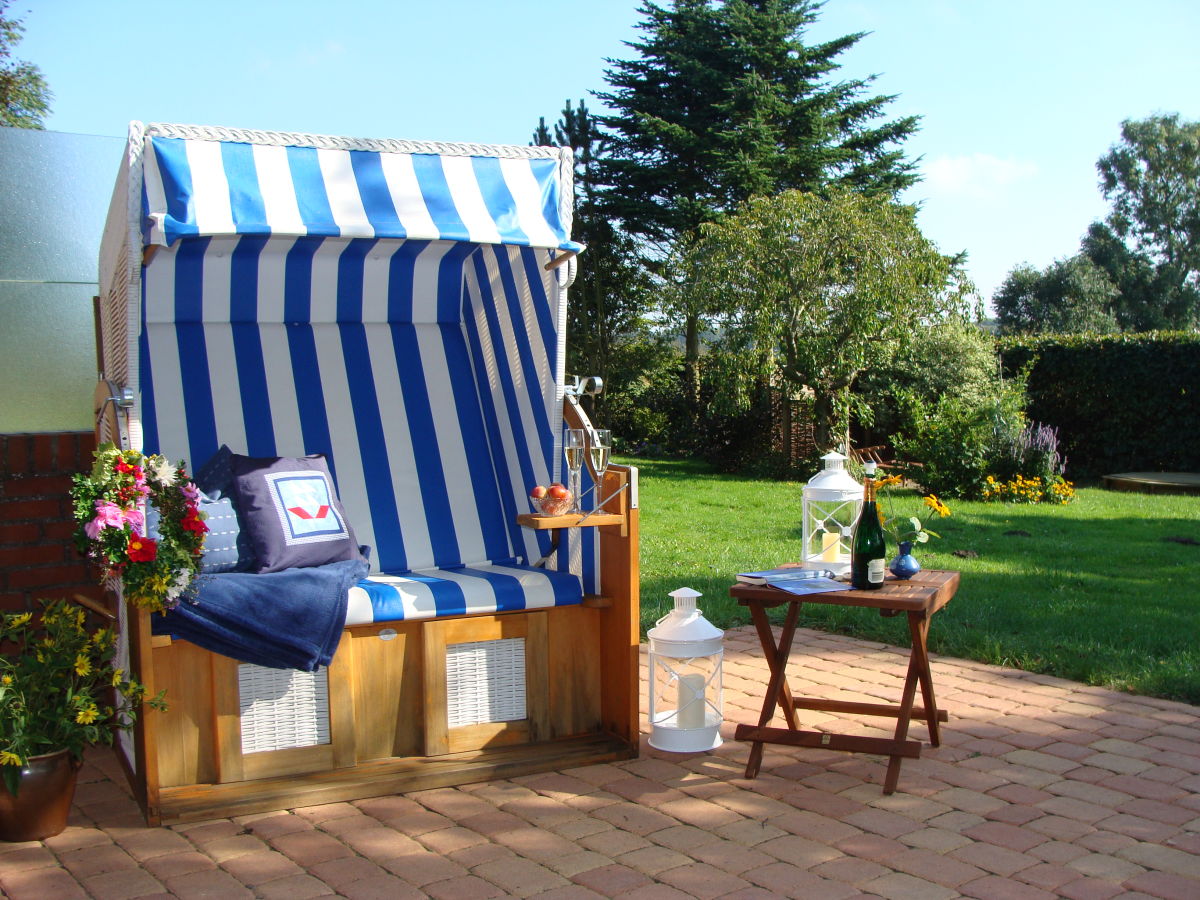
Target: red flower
142, 549
192, 522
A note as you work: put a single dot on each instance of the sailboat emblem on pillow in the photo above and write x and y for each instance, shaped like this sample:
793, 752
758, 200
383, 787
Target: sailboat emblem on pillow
303, 501
302, 513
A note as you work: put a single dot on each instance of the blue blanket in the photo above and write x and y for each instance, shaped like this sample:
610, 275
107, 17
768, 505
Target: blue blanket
283, 620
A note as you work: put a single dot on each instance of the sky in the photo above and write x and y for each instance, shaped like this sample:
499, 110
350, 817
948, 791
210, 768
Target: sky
1018, 99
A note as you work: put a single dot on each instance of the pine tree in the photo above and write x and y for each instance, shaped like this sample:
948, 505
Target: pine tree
611, 292
725, 100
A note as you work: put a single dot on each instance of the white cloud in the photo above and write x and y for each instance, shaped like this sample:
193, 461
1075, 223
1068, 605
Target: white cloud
977, 176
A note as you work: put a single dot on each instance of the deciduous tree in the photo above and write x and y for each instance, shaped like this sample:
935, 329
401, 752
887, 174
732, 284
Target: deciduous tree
1152, 178
24, 95
1071, 296
815, 289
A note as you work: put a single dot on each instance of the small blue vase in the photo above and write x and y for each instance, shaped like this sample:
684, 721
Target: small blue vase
905, 566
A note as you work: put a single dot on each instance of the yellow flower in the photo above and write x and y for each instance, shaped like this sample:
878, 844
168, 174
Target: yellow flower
83, 665
6, 680
8, 758
87, 716
117, 675
937, 505
22, 619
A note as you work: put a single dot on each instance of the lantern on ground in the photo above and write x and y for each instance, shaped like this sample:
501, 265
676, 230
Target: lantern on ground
831, 503
686, 697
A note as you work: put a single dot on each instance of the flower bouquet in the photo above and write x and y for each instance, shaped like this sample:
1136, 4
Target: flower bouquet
911, 529
156, 564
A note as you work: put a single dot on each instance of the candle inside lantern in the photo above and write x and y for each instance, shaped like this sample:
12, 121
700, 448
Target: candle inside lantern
690, 702
831, 547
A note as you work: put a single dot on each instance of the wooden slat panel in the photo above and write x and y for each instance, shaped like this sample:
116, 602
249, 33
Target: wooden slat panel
227, 718
619, 625
292, 761
537, 677
185, 734
488, 734
573, 648
387, 689
433, 642
342, 711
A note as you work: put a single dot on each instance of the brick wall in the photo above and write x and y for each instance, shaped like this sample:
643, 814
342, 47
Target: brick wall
37, 555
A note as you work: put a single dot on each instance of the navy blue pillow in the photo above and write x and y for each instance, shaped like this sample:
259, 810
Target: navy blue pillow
291, 513
215, 477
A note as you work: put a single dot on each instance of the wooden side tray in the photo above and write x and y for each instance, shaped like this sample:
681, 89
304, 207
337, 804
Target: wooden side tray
571, 520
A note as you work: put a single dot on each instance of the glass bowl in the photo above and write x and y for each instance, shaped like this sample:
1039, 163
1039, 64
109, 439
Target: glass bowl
551, 506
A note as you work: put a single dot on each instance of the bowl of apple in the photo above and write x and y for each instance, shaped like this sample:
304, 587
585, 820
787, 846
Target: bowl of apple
554, 500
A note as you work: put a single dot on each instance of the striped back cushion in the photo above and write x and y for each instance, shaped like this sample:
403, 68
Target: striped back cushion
424, 371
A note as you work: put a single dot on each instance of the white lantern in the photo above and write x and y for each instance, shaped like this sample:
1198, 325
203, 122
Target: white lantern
831, 503
686, 696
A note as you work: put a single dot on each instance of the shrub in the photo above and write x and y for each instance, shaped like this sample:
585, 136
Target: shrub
1032, 452
955, 443
1123, 402
952, 358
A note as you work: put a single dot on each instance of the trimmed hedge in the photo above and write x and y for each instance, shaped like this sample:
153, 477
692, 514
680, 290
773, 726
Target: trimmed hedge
1121, 402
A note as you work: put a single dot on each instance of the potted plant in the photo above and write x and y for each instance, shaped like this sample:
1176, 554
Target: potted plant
60, 691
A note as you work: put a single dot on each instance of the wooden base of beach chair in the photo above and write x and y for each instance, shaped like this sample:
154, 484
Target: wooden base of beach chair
384, 719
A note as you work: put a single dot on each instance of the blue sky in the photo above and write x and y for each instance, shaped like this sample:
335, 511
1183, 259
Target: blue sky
1018, 98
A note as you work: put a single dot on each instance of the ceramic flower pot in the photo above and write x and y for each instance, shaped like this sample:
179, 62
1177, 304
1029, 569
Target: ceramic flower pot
43, 802
905, 565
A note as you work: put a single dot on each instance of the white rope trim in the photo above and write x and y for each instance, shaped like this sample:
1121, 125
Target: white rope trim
566, 186
133, 262
331, 142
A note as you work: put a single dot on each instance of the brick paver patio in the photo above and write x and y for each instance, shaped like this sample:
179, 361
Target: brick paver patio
1042, 788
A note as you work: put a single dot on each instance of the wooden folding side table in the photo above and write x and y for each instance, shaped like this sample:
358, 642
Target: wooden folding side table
919, 598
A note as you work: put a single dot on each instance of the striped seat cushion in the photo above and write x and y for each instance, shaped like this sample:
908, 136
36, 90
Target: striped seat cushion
463, 590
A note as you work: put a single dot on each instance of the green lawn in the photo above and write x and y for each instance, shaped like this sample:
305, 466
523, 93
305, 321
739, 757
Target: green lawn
1094, 593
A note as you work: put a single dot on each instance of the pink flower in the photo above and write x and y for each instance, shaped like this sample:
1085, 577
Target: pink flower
108, 515
136, 518
191, 492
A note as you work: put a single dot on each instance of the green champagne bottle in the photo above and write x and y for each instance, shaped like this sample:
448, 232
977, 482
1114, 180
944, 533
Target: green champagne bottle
867, 550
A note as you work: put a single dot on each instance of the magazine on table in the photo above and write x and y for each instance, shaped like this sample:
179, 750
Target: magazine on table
795, 580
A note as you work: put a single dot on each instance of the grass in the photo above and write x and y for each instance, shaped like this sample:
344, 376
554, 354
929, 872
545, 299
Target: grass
1091, 591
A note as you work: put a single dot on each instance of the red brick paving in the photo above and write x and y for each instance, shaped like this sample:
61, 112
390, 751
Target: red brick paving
1042, 788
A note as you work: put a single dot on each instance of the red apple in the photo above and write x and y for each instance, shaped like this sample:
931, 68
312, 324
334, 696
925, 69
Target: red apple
558, 492
538, 492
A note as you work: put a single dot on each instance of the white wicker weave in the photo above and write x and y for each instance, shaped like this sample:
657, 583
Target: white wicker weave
485, 682
282, 708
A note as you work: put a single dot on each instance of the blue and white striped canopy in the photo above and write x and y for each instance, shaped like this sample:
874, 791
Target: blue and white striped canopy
197, 187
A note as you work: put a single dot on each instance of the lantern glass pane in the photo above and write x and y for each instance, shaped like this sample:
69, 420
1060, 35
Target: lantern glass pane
686, 693
835, 518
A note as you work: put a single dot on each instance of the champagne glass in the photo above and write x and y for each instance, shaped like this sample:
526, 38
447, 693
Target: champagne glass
599, 452
573, 446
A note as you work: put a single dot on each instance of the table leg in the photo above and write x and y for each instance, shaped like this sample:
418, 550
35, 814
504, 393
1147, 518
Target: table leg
920, 636
918, 627
777, 690
762, 625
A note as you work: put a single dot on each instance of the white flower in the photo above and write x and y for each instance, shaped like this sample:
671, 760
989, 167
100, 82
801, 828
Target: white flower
161, 471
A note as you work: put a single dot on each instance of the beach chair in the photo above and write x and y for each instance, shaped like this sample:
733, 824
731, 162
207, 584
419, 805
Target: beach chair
398, 308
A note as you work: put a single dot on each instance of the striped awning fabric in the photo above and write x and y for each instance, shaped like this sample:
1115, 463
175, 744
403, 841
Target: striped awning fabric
288, 185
